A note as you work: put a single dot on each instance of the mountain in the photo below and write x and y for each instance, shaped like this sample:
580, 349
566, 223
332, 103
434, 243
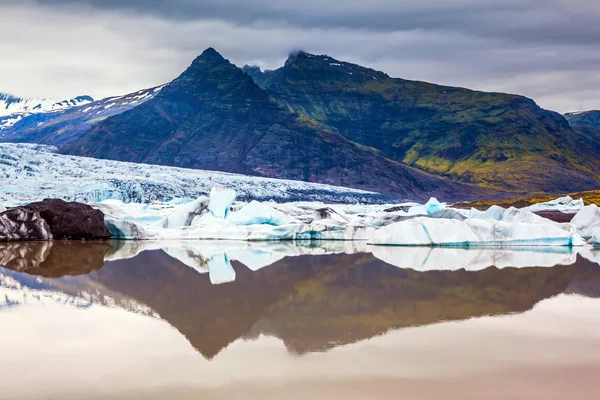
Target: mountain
584, 118
213, 116
497, 140
58, 127
14, 109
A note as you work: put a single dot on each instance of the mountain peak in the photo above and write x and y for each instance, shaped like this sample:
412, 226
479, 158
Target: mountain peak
210, 57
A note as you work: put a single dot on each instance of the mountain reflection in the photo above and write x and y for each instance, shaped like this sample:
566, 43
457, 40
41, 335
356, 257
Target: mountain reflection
311, 302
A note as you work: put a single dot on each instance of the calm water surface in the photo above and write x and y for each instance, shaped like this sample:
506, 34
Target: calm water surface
280, 321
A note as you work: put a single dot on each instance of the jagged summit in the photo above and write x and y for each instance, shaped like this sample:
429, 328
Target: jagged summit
210, 57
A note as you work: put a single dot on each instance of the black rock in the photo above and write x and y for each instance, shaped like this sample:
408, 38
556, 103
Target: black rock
71, 220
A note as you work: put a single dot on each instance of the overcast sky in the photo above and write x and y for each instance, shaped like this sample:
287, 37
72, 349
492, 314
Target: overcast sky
545, 49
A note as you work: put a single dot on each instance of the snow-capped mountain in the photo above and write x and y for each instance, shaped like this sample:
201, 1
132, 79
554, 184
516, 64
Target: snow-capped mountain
30, 172
14, 109
58, 126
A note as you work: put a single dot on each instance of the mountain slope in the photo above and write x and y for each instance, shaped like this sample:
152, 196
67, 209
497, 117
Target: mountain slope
13, 109
57, 128
215, 117
17, 105
498, 140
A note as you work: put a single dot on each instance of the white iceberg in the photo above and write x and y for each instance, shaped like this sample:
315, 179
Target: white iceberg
221, 200
563, 204
473, 232
255, 213
511, 214
587, 220
185, 214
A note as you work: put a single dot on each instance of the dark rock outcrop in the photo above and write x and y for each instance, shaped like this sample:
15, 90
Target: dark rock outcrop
70, 220
19, 224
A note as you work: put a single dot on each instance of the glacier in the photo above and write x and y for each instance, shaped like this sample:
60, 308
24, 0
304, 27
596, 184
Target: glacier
32, 172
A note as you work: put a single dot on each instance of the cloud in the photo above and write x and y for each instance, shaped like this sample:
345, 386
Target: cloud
545, 49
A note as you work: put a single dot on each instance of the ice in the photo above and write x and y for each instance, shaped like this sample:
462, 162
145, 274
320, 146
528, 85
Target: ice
185, 214
2, 208
330, 213
511, 214
564, 204
473, 232
587, 220
126, 230
259, 213
33, 172
220, 200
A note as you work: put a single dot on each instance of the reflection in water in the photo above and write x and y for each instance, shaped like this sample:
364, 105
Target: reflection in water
398, 310
312, 303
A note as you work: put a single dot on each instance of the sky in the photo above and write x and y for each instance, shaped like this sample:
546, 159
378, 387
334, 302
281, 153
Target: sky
548, 50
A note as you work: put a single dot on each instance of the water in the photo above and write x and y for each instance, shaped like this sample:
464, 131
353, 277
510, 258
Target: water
143, 320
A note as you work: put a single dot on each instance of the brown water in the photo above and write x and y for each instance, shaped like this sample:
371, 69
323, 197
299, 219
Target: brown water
73, 326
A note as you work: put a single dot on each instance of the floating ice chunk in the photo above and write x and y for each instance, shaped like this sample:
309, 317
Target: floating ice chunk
121, 229
511, 214
220, 200
587, 220
565, 204
473, 232
220, 269
185, 214
430, 207
256, 213
433, 205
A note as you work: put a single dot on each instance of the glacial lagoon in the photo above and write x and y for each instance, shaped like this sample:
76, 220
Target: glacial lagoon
323, 320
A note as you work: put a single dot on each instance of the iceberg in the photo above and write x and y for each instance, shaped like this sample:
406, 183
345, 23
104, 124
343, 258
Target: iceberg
185, 214
473, 232
587, 220
221, 200
433, 205
511, 214
563, 204
255, 213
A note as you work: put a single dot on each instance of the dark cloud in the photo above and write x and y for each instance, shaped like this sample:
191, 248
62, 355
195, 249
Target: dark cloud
545, 49
556, 21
